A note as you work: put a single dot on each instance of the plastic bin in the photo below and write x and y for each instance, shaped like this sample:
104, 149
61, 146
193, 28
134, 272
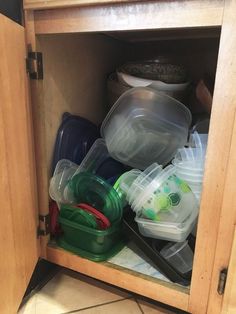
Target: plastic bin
176, 232
179, 255
90, 243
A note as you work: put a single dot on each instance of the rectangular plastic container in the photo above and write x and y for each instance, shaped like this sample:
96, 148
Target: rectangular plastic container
176, 232
91, 240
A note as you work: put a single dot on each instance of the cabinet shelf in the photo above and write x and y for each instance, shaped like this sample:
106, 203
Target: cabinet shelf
120, 17
170, 293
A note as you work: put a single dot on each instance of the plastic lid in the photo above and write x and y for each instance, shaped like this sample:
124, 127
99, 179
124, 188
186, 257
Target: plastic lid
79, 216
75, 136
102, 220
93, 190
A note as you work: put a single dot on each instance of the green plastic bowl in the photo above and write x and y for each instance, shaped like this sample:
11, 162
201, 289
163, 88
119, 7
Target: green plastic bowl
93, 190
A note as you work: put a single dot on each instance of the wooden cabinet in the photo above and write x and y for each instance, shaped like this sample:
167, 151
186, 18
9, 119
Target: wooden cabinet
81, 41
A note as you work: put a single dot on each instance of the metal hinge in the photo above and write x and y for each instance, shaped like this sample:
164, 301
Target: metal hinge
222, 281
34, 65
44, 225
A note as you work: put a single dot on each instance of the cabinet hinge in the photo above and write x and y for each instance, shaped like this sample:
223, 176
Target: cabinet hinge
44, 225
34, 65
222, 281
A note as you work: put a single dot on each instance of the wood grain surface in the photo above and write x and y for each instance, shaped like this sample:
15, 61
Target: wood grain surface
18, 224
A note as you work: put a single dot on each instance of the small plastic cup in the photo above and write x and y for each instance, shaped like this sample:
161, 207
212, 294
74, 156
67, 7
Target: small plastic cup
179, 255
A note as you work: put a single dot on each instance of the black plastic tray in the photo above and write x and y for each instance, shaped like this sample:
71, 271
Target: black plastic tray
152, 247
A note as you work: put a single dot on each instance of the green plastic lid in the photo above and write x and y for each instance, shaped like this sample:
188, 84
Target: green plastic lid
79, 216
93, 190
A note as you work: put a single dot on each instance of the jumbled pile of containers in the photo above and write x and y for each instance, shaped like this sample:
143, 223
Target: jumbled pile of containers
165, 206
145, 129
90, 212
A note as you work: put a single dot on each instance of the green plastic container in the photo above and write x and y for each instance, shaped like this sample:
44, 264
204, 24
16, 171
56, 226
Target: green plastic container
84, 239
91, 256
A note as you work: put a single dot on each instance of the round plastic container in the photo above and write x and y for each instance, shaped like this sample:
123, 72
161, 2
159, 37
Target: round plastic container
122, 185
158, 194
179, 255
188, 167
170, 200
93, 190
63, 172
189, 177
145, 126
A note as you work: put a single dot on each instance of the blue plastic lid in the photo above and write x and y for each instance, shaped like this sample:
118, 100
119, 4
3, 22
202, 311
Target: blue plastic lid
75, 136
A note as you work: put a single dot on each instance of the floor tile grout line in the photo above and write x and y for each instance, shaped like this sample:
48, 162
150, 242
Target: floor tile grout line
139, 306
97, 305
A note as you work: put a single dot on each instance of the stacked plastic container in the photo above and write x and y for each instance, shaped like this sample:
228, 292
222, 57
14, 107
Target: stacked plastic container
189, 162
165, 206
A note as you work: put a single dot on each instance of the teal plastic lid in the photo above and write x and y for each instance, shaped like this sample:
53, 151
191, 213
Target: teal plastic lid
93, 190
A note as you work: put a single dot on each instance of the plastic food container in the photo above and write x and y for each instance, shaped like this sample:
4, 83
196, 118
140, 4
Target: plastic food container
176, 232
179, 255
93, 190
75, 136
158, 194
63, 172
145, 126
97, 245
98, 161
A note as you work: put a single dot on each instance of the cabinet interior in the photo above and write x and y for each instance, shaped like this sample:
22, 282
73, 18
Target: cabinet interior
77, 65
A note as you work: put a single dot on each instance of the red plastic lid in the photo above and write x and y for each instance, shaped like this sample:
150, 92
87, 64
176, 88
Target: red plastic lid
102, 220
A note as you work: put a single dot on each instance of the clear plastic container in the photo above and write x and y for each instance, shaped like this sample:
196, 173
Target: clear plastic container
145, 126
158, 194
171, 201
179, 255
176, 232
190, 177
98, 161
63, 172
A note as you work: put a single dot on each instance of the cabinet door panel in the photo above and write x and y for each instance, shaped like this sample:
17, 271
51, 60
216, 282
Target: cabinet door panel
18, 223
229, 300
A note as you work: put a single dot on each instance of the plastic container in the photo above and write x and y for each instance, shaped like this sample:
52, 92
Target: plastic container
145, 126
75, 136
171, 201
158, 194
79, 216
93, 244
122, 185
177, 232
63, 172
98, 161
179, 255
93, 190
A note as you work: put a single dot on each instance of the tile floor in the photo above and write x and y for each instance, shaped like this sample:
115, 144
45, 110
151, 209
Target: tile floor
70, 292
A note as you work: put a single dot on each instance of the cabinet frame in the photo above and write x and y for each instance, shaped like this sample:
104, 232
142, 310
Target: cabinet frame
217, 169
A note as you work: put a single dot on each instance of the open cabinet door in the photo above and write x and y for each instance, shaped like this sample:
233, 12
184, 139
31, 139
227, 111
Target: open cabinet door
229, 300
18, 222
